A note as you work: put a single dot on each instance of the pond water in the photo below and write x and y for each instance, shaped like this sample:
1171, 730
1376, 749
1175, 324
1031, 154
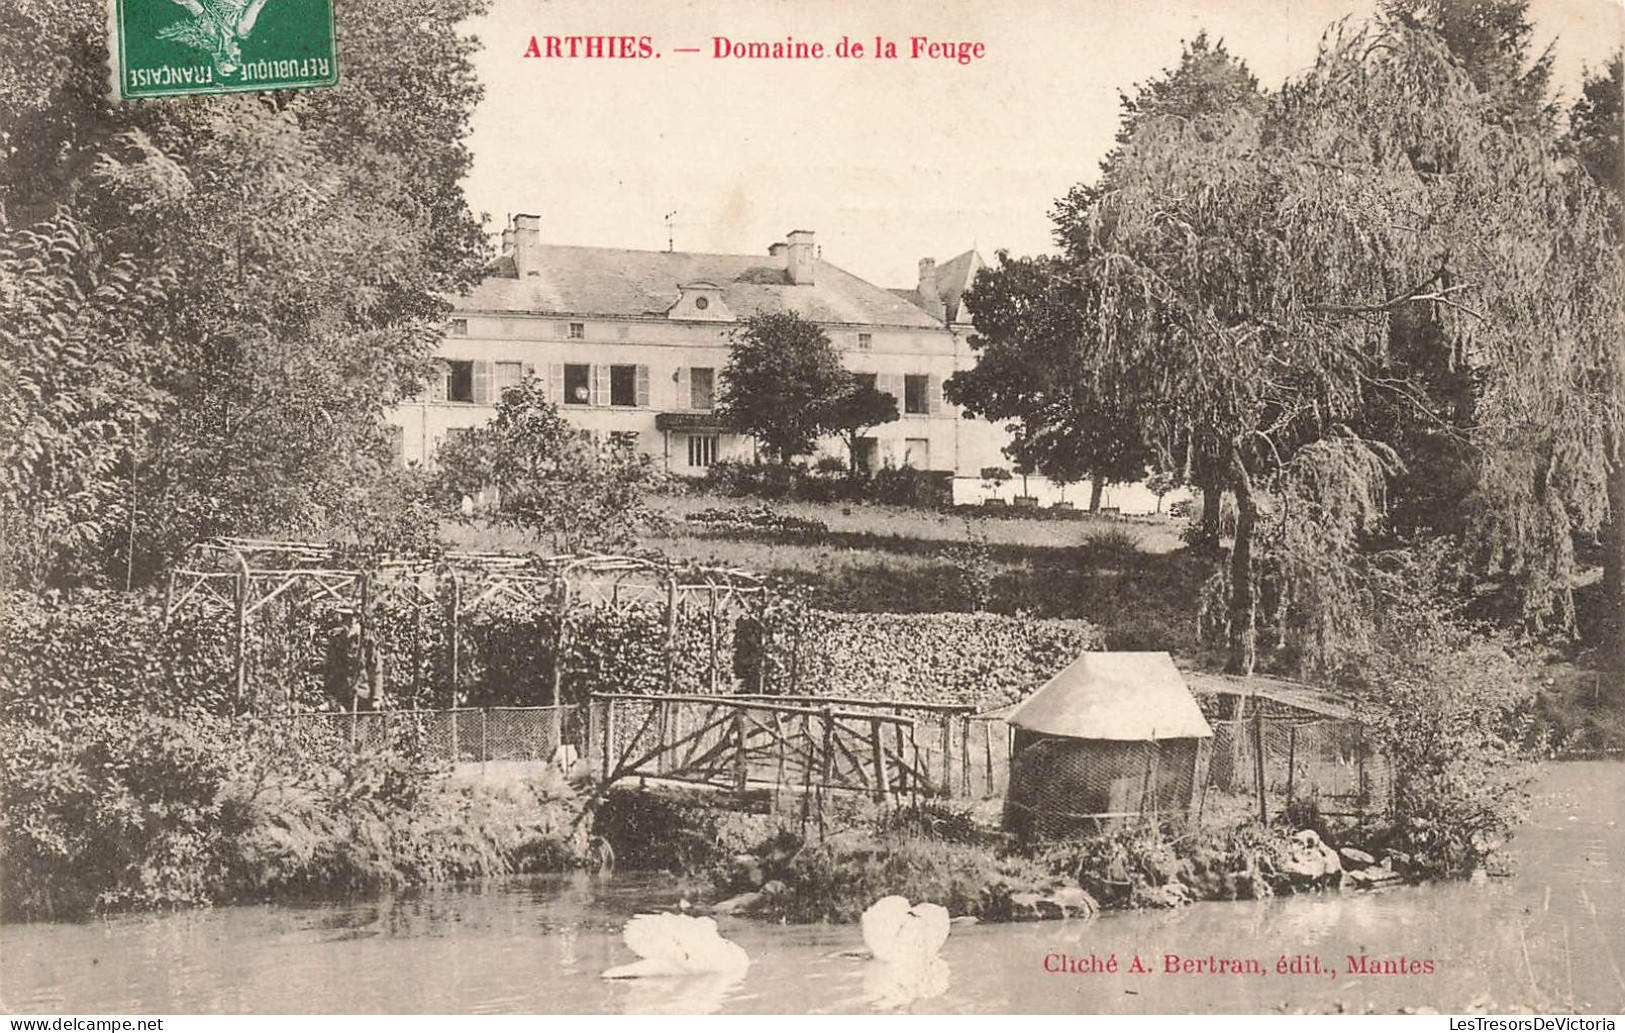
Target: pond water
1553, 936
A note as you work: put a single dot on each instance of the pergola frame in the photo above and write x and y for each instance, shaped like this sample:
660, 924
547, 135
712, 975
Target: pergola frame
244, 575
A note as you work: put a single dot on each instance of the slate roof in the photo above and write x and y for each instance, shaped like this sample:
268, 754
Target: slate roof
595, 281
1120, 696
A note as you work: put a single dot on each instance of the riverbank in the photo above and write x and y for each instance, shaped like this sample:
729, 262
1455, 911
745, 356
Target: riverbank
779, 867
1548, 939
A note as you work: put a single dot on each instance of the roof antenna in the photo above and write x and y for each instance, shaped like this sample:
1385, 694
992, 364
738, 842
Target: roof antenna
669, 239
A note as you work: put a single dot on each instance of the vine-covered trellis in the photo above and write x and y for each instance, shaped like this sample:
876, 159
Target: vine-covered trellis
393, 626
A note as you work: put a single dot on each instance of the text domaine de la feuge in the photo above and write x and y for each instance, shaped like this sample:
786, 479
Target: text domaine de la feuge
915, 48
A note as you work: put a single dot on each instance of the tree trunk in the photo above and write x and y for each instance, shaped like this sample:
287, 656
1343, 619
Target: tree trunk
1243, 608
1613, 569
1212, 507
1097, 486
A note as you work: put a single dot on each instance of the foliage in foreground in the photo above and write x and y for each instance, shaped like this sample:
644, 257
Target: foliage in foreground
129, 811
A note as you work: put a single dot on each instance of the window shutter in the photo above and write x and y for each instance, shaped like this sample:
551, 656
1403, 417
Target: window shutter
527, 370
555, 383
561, 331
439, 381
933, 395
642, 387
485, 382
892, 384
599, 375
685, 390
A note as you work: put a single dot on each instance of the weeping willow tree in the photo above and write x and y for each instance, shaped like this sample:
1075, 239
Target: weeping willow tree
1243, 274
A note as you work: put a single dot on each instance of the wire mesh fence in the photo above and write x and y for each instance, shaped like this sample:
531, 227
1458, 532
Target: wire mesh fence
462, 736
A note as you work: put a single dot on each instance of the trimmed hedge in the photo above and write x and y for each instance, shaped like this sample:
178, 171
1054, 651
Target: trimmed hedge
113, 652
983, 659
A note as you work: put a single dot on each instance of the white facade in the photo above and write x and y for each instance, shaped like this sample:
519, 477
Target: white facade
636, 342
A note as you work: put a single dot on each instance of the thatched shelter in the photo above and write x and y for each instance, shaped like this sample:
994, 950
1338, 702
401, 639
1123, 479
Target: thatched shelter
1112, 736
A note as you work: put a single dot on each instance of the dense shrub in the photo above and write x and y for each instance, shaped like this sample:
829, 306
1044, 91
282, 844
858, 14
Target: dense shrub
130, 810
1459, 715
94, 651
898, 486
112, 811
1147, 864
756, 518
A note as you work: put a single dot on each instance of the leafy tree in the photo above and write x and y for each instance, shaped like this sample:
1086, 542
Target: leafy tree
861, 407
78, 353
1597, 139
782, 383
1160, 484
309, 240
1493, 40
545, 477
1238, 274
1031, 320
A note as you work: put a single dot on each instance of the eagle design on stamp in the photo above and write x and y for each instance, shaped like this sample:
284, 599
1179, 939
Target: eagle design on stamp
216, 26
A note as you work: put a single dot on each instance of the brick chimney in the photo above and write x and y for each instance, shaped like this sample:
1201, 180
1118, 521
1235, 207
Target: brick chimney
527, 244
928, 289
802, 256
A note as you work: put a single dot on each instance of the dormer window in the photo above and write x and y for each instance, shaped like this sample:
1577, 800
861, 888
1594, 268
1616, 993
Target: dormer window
700, 299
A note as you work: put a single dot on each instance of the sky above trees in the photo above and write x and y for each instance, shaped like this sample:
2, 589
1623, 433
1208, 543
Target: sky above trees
887, 161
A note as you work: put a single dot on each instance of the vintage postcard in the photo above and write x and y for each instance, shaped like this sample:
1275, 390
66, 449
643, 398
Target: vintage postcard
623, 508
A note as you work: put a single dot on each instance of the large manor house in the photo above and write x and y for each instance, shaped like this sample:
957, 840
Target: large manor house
633, 343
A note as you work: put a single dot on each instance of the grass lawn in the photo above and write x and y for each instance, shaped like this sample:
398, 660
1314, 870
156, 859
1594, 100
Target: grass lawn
1130, 576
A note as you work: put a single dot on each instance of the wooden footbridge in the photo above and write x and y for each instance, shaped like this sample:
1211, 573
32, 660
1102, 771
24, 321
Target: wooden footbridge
789, 744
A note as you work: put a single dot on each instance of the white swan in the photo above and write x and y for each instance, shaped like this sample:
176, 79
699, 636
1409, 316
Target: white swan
895, 931
678, 945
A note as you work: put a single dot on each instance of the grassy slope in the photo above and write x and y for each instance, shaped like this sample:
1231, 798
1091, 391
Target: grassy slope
1130, 576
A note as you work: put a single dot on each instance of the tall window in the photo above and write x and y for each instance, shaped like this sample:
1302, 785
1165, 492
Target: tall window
459, 381
916, 399
702, 388
702, 449
866, 379
508, 374
577, 389
623, 385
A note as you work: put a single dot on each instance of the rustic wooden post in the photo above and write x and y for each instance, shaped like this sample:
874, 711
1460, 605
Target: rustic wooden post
778, 739
878, 748
609, 737
740, 769
964, 751
903, 778
1291, 760
456, 623
947, 756
662, 735
556, 693
828, 761
671, 636
364, 651
711, 635
987, 750
1359, 760
1258, 764
241, 605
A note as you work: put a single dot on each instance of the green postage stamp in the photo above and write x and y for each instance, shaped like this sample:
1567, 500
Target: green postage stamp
167, 48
